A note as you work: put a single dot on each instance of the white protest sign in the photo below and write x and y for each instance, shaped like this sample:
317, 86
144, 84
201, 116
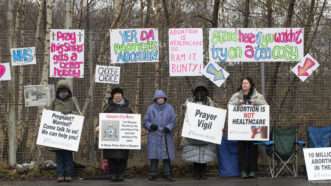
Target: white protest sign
256, 44
60, 131
66, 53
134, 45
107, 74
185, 51
23, 56
248, 122
215, 73
204, 123
38, 95
306, 67
119, 131
5, 74
318, 163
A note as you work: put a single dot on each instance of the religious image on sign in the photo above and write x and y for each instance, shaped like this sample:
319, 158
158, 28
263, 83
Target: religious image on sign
204, 123
136, 45
185, 51
66, 53
248, 122
119, 131
256, 44
306, 67
107, 74
215, 73
60, 131
23, 56
38, 95
5, 74
318, 163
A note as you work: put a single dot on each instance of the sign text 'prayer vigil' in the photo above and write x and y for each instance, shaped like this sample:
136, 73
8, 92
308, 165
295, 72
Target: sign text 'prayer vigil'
206, 120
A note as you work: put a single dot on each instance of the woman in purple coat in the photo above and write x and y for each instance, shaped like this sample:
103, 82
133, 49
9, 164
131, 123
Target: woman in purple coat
160, 120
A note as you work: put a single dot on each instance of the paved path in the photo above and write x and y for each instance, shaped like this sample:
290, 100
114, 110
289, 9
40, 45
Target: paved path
180, 182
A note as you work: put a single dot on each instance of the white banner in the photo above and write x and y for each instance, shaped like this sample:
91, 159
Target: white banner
119, 131
256, 44
215, 73
60, 131
107, 74
185, 51
248, 122
318, 163
23, 56
305, 68
66, 53
5, 73
38, 95
134, 45
204, 123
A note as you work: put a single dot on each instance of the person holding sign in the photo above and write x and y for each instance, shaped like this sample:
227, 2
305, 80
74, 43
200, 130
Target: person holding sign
196, 151
66, 104
160, 121
247, 95
117, 158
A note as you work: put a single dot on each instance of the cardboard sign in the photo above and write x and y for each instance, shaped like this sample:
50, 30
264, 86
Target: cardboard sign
248, 122
185, 51
23, 56
107, 74
215, 73
38, 95
318, 163
256, 44
60, 131
5, 74
204, 123
306, 67
66, 53
119, 131
134, 45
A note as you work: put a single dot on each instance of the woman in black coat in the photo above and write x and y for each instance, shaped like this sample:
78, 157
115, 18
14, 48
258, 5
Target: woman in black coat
117, 158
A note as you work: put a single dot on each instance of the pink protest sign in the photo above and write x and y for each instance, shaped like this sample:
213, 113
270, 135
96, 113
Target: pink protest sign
185, 52
66, 53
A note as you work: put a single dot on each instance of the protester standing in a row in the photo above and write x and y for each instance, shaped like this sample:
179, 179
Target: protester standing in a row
66, 104
248, 152
196, 151
160, 121
118, 158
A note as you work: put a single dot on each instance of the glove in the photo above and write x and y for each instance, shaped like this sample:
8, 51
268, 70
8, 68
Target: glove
154, 127
166, 130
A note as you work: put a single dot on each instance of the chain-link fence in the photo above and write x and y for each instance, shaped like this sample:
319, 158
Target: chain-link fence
293, 103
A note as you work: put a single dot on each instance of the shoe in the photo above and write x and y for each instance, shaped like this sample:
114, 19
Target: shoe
120, 178
68, 179
60, 179
203, 176
152, 178
244, 175
251, 174
169, 178
196, 175
113, 178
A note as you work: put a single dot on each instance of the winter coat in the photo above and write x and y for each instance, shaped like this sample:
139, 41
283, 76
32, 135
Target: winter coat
195, 150
117, 108
67, 106
160, 145
256, 98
